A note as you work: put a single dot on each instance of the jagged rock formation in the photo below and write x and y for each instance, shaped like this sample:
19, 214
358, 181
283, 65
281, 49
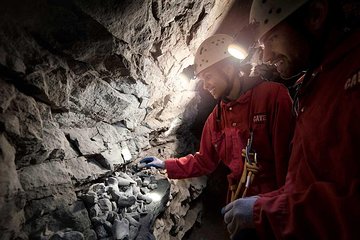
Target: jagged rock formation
86, 88
178, 218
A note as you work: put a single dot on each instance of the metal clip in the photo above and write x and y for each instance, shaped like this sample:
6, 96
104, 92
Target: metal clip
248, 148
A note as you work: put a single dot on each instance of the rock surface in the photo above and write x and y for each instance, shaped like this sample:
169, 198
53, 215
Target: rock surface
181, 213
86, 89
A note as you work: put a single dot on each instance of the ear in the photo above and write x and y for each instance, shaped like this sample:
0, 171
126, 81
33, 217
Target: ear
318, 11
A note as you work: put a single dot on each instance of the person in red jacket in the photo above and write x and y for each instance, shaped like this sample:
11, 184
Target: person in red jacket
321, 195
249, 108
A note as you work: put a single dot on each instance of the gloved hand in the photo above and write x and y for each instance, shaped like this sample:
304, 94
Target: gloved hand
238, 215
152, 162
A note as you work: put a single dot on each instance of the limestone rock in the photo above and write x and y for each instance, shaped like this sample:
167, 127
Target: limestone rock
104, 143
28, 132
180, 215
73, 120
48, 78
36, 135
68, 235
55, 143
85, 140
131, 86
12, 196
7, 94
52, 83
121, 229
82, 170
105, 205
42, 180
65, 217
103, 103
86, 88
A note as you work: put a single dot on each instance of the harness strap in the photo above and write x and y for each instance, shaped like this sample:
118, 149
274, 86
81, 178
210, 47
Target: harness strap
250, 166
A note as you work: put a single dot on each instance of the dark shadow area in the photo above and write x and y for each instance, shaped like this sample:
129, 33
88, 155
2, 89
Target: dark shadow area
212, 226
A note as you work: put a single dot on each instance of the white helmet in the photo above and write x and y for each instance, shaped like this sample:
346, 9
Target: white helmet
268, 13
212, 50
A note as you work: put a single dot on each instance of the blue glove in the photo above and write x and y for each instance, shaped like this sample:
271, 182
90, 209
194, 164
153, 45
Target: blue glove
152, 162
238, 215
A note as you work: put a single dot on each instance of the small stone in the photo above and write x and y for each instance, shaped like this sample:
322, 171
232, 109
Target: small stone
146, 198
112, 215
114, 195
133, 231
95, 210
138, 181
152, 186
126, 201
132, 208
144, 190
101, 232
104, 195
132, 220
69, 235
124, 182
146, 181
135, 215
121, 229
98, 188
126, 176
105, 205
113, 183
136, 190
114, 206
108, 227
90, 198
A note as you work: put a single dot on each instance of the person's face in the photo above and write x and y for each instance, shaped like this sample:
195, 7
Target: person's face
215, 81
287, 49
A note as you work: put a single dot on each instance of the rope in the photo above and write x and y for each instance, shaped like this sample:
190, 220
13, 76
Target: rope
248, 174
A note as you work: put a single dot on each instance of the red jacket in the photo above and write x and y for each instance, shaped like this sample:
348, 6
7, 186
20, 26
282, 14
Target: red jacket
321, 196
266, 109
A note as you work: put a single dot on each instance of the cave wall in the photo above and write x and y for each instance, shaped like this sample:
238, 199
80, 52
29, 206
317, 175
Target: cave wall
86, 88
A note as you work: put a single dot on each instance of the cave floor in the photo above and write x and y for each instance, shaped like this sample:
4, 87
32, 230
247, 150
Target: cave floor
212, 226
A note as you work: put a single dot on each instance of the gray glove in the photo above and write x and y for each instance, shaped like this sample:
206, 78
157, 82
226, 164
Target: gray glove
238, 215
152, 162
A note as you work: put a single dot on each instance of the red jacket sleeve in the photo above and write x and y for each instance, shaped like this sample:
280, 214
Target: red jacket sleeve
322, 212
201, 163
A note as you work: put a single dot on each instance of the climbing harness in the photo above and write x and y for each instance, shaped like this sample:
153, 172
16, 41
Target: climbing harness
250, 167
249, 170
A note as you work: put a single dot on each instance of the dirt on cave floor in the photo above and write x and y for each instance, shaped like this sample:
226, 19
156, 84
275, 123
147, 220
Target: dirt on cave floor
212, 226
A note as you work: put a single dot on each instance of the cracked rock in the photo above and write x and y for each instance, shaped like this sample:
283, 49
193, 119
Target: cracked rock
121, 229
